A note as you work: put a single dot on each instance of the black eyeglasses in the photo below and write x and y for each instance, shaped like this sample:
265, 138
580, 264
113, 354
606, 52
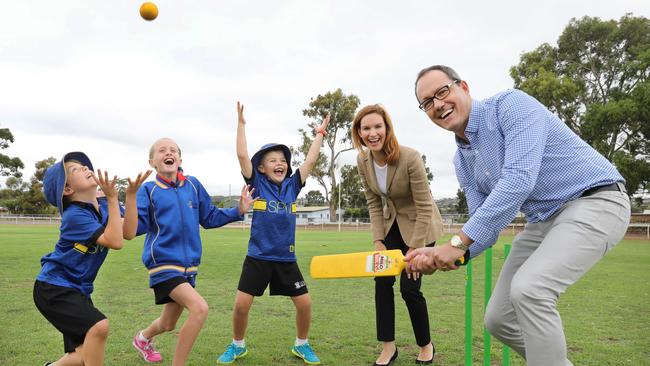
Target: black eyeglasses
440, 94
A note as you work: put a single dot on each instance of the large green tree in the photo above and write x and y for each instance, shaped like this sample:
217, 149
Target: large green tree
597, 80
11, 195
9, 166
27, 197
342, 108
353, 198
461, 202
314, 198
32, 200
352, 194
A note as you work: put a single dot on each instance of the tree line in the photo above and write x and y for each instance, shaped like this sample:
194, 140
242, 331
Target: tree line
596, 79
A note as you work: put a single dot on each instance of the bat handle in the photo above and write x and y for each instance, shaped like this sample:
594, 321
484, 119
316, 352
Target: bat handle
460, 261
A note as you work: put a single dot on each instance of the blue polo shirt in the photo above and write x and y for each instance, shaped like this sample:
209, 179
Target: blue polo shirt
273, 230
76, 258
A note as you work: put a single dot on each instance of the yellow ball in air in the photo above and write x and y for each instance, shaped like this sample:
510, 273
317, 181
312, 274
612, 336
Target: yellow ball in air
148, 11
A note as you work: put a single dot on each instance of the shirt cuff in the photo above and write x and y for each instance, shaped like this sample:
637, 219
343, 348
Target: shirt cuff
233, 213
483, 237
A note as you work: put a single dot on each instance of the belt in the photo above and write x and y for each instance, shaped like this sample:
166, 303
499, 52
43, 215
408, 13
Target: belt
618, 186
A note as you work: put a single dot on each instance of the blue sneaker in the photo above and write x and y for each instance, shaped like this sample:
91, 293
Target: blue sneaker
232, 354
306, 353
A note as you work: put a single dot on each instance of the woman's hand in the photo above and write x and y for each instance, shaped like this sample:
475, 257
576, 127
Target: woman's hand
379, 245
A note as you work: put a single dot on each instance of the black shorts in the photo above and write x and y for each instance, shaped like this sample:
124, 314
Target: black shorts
284, 278
162, 290
71, 313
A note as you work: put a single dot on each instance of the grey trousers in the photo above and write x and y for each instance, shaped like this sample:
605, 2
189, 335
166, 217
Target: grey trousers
546, 258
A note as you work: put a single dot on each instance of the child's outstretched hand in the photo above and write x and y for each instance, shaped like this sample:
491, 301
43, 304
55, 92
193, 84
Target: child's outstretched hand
323, 126
246, 199
133, 186
240, 113
107, 186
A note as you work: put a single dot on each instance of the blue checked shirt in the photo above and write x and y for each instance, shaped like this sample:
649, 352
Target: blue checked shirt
521, 157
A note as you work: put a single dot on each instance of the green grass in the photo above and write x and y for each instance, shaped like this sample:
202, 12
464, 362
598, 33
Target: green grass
606, 315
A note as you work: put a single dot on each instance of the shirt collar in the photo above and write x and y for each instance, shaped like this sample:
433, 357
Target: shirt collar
86, 206
180, 178
476, 115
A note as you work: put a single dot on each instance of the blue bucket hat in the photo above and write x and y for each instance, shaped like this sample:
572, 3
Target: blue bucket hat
256, 160
55, 178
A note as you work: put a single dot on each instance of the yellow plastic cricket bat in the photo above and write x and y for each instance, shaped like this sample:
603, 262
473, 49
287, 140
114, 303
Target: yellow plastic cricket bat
361, 264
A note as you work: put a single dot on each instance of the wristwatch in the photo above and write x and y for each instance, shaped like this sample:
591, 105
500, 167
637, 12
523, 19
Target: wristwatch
457, 242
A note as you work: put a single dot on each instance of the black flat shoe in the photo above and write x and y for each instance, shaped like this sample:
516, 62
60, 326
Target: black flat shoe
390, 362
420, 362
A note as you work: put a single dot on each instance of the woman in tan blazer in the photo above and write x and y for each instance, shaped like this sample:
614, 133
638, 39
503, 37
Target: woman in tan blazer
403, 216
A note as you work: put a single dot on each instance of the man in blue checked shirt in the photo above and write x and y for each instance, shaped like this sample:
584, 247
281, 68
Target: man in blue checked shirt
515, 155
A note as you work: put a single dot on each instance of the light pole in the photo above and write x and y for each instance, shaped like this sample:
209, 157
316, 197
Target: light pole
339, 207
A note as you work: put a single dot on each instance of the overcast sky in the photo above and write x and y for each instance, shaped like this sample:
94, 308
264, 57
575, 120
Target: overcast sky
93, 76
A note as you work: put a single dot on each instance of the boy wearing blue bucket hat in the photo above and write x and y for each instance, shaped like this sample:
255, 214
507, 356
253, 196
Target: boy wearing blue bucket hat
271, 258
89, 227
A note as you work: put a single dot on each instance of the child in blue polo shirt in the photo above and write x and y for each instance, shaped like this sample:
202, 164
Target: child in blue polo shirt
170, 210
271, 258
89, 227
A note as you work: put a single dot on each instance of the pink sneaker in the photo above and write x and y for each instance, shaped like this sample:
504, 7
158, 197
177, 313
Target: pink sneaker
146, 349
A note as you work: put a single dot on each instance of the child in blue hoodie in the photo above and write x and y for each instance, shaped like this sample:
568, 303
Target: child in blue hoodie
170, 210
271, 258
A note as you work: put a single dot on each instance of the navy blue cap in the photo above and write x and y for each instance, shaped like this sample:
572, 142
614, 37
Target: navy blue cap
256, 160
55, 178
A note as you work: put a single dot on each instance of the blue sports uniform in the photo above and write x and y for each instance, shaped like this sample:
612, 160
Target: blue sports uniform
76, 258
170, 214
273, 229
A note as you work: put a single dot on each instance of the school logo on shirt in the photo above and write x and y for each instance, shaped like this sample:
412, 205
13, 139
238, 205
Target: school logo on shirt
85, 249
190, 204
273, 206
259, 205
277, 207
80, 248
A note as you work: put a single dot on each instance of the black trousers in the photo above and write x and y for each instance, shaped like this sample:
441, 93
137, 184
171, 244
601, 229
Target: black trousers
410, 290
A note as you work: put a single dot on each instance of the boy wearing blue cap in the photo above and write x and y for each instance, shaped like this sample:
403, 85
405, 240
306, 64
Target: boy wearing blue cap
271, 258
170, 210
89, 227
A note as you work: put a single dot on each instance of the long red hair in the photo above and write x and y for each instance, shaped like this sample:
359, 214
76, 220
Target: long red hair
391, 147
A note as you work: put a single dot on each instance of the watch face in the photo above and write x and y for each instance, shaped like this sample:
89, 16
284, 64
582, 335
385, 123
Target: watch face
457, 242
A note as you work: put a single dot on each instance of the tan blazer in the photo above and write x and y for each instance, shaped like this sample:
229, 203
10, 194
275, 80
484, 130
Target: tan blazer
408, 199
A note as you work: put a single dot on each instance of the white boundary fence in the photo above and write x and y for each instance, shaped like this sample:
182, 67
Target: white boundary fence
30, 220
637, 230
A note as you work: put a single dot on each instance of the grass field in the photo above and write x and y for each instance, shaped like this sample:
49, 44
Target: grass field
606, 315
